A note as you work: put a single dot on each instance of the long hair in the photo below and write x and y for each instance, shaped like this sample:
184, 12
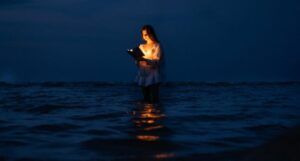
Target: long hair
150, 31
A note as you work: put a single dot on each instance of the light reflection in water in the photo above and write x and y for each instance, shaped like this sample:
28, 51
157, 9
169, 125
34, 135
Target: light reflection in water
149, 129
164, 155
148, 121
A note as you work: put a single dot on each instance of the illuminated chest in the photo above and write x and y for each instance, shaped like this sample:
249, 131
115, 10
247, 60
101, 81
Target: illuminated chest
148, 52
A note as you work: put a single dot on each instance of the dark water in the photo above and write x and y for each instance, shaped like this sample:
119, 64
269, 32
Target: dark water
107, 121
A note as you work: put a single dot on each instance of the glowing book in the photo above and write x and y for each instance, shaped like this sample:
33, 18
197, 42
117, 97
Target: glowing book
136, 53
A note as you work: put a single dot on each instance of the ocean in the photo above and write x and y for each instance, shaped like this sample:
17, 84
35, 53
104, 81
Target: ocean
81, 121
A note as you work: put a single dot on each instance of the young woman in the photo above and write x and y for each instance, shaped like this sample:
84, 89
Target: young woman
149, 74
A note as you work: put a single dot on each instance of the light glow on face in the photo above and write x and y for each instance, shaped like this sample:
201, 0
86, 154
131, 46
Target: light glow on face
145, 35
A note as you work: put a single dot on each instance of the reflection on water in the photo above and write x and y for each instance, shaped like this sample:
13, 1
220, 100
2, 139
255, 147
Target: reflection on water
149, 128
148, 121
94, 121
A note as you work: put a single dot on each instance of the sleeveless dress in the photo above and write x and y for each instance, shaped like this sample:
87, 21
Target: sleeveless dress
152, 73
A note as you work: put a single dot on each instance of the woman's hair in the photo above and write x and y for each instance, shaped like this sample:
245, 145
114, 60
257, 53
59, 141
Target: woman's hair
150, 31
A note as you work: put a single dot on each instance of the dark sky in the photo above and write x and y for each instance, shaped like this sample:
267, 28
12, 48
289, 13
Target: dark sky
204, 40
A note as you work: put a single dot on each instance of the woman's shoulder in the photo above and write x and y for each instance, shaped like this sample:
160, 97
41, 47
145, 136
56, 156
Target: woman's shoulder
157, 44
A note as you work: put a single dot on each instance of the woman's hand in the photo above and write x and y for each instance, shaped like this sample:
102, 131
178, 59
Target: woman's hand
148, 64
144, 64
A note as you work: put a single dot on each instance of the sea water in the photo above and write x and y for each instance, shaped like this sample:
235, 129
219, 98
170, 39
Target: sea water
109, 121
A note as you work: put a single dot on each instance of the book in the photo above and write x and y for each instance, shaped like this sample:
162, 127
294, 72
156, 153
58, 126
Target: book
136, 53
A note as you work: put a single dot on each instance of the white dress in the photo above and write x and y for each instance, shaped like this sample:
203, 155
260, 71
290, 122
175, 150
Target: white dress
152, 73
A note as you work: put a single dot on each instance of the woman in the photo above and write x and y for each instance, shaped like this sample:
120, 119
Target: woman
149, 74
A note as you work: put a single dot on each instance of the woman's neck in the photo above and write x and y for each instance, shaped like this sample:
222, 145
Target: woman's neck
150, 42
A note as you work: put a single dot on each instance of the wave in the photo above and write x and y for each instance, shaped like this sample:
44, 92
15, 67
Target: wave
62, 127
167, 84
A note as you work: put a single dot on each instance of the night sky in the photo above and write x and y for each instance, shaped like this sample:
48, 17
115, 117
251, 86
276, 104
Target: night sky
203, 40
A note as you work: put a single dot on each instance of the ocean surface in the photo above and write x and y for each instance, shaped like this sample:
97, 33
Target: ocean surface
86, 121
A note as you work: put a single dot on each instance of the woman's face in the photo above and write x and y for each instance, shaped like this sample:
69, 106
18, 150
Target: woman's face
145, 35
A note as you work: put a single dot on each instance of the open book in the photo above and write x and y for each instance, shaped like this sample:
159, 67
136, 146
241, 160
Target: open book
136, 53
